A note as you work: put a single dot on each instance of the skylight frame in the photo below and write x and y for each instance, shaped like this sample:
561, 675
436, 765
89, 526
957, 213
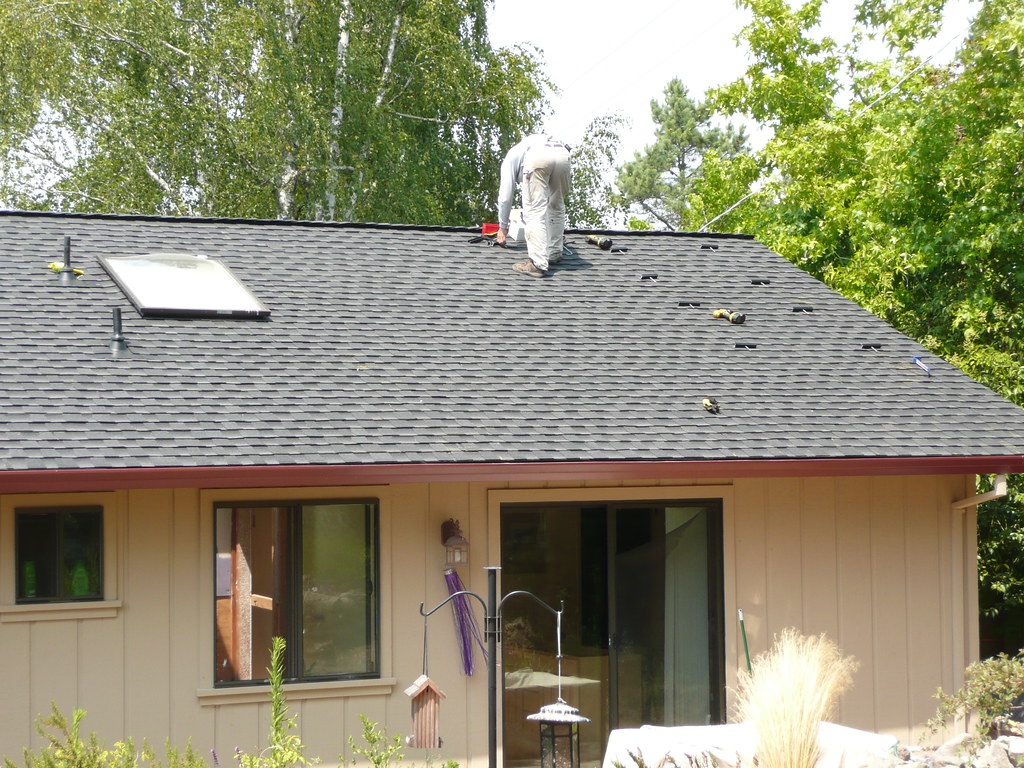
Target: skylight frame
217, 293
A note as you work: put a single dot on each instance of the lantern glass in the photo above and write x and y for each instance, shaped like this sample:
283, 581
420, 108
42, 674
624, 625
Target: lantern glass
456, 551
559, 745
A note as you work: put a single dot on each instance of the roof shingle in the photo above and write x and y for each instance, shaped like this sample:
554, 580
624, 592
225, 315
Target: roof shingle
403, 344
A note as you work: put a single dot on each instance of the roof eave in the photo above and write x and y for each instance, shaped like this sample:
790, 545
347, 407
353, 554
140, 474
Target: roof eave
280, 476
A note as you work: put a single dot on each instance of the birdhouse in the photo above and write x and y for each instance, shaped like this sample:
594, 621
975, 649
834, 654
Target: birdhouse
426, 713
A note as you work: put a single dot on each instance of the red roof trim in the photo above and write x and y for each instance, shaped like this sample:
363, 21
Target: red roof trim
69, 480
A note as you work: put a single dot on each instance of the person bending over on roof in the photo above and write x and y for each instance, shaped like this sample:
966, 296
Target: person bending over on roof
541, 164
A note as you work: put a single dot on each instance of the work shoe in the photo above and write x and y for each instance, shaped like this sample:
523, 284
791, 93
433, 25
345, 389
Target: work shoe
529, 268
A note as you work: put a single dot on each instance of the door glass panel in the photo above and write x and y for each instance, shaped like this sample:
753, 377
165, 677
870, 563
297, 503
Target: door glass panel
688, 663
642, 634
557, 553
638, 616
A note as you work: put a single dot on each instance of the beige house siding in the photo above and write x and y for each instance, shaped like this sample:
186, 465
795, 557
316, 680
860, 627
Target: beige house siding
880, 564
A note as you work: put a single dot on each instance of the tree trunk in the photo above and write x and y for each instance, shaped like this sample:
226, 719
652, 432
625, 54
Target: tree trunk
332, 177
289, 173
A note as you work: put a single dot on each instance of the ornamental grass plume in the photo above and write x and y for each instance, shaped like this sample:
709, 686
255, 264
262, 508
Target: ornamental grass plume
792, 688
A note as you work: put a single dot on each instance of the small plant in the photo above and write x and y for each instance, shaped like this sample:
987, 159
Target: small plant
992, 691
285, 748
380, 751
791, 690
66, 748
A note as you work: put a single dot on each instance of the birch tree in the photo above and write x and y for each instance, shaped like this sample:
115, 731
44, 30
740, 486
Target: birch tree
385, 110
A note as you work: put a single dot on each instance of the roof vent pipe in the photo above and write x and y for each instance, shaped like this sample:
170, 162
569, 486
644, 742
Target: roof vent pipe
118, 345
68, 276
997, 492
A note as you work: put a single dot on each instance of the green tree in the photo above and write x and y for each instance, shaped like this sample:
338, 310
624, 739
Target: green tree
901, 184
657, 183
341, 109
589, 203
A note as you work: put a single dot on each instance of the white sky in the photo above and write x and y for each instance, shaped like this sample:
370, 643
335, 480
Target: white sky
611, 57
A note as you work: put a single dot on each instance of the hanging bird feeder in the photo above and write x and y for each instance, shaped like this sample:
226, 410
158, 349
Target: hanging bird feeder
426, 713
559, 722
559, 735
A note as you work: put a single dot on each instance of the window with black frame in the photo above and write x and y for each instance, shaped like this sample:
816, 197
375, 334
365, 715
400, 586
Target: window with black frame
306, 572
58, 554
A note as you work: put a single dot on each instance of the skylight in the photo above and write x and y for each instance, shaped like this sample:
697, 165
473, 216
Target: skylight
182, 285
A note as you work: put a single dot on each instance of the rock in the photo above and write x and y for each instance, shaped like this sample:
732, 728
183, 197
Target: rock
992, 755
876, 761
954, 752
1014, 748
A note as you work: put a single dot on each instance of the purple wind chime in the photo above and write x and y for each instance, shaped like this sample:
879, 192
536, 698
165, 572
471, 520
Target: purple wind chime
466, 628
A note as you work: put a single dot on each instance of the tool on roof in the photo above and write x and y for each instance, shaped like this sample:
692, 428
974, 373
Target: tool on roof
733, 317
920, 364
602, 242
58, 268
711, 405
486, 239
487, 234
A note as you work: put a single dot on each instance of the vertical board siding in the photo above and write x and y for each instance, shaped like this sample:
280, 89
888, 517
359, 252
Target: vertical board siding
484, 550
923, 520
889, 604
237, 725
414, 551
320, 723
818, 556
16, 704
782, 555
447, 500
854, 596
53, 669
147, 591
881, 565
750, 569
875, 563
188, 722
100, 640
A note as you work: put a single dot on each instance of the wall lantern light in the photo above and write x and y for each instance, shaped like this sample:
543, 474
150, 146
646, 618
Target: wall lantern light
559, 735
456, 548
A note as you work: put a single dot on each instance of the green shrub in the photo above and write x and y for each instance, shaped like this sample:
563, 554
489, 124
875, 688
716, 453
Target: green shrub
991, 689
380, 751
66, 748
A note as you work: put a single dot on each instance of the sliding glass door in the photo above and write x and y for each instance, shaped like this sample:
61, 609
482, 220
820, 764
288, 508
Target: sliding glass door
642, 632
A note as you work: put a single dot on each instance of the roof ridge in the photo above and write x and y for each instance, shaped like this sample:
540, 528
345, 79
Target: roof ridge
342, 224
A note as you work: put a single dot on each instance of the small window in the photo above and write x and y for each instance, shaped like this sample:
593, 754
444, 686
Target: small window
59, 554
305, 572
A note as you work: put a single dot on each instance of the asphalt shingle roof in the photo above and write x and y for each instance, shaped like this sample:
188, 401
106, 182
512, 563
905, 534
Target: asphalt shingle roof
402, 344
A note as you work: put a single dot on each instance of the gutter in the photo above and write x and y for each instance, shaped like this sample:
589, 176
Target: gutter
998, 491
313, 475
